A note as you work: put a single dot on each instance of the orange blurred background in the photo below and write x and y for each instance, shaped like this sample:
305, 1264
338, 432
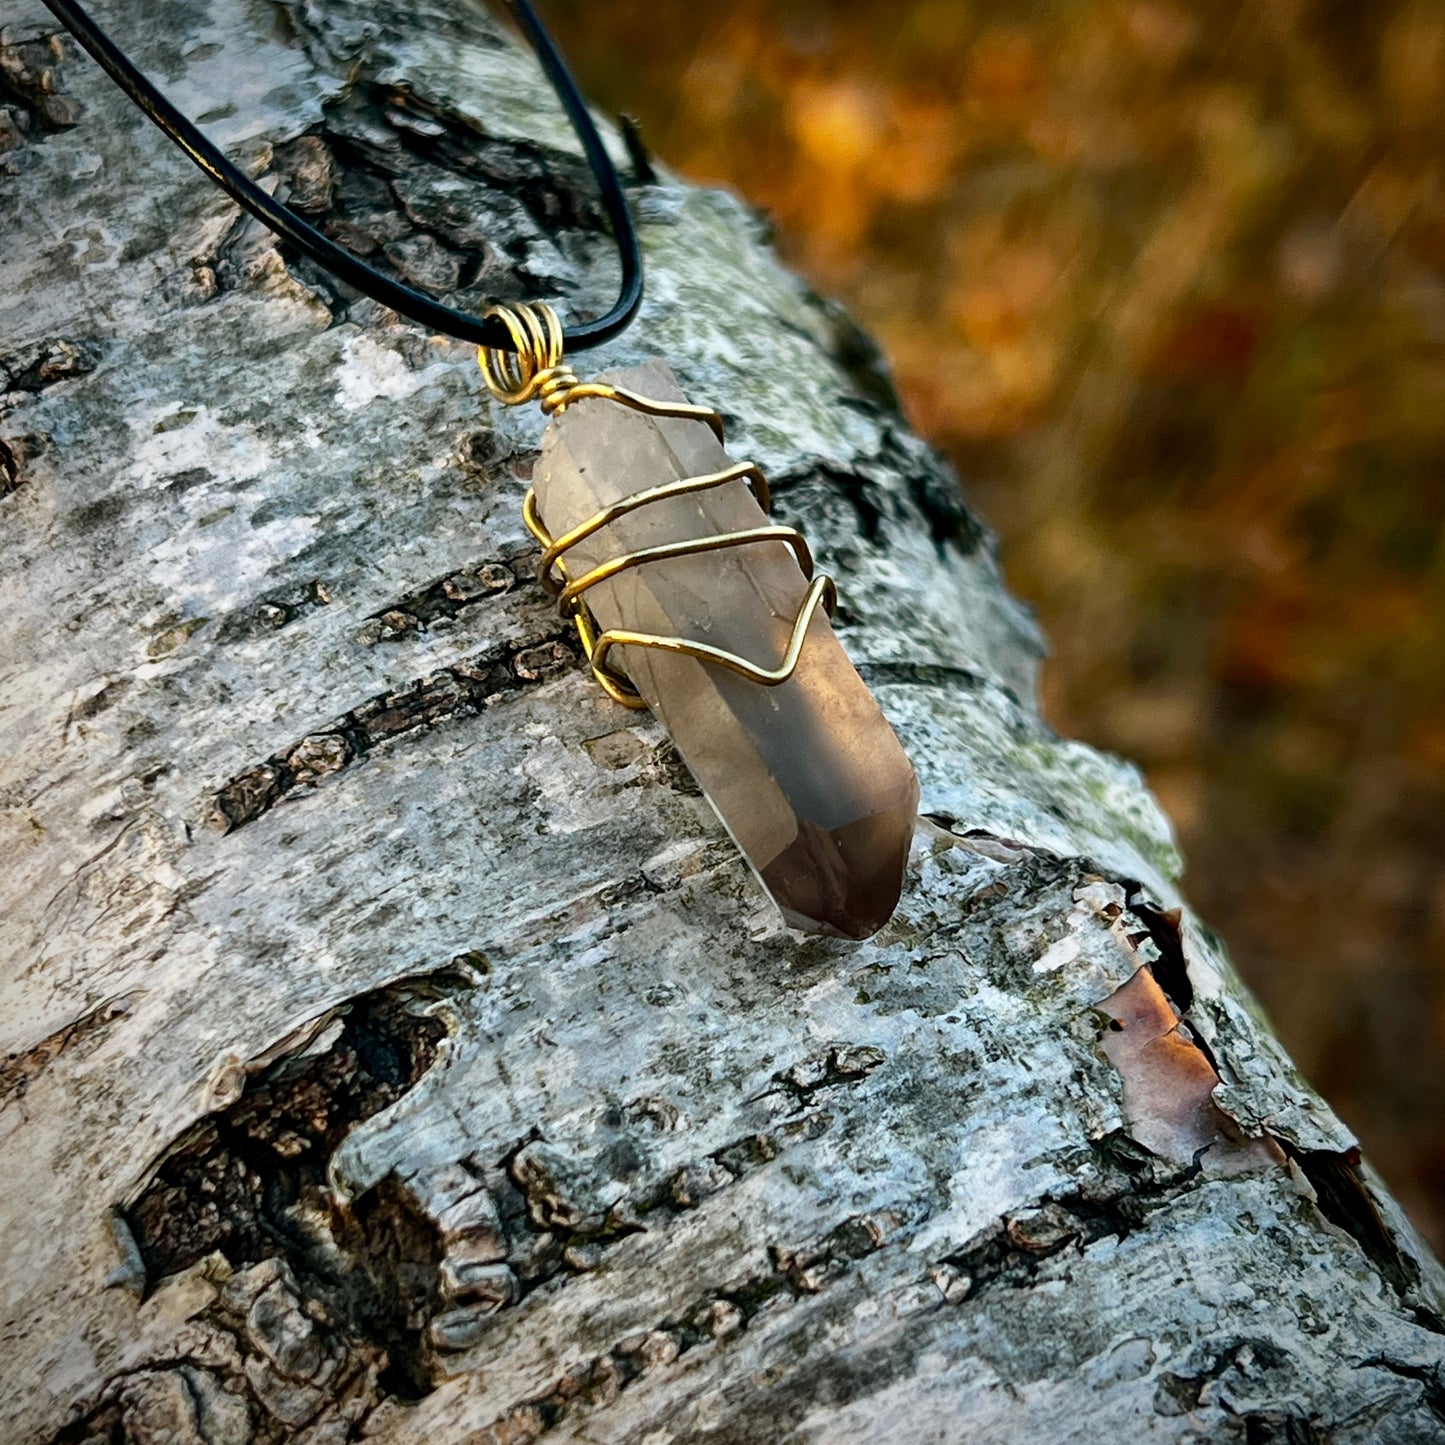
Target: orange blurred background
1167, 283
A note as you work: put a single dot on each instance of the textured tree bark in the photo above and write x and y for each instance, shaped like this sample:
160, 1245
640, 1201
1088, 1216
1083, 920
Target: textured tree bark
396, 1047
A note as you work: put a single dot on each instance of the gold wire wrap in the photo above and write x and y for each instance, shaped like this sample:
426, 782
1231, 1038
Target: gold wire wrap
536, 372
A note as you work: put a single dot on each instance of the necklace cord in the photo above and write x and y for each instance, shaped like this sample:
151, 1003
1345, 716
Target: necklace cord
485, 330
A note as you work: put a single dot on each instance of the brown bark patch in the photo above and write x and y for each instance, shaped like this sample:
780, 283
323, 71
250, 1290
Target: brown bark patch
1169, 1084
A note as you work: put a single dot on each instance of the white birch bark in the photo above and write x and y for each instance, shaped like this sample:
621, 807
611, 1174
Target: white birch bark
396, 1047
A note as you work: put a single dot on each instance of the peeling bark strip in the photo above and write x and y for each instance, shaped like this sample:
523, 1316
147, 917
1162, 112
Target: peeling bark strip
1169, 1084
638, 1164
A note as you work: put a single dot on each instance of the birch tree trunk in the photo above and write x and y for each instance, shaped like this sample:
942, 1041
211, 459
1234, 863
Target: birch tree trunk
395, 1045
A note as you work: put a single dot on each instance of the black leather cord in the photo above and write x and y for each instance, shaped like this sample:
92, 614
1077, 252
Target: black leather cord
351, 269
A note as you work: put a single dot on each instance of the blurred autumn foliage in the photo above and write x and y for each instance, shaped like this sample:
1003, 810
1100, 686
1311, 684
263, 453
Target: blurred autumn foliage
1166, 280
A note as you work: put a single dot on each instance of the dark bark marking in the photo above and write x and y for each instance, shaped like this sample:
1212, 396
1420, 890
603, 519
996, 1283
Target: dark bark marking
713, 1319
19, 1071
321, 1306
274, 610
930, 482
860, 357
251, 1183
40, 364
12, 462
644, 173
924, 674
838, 1064
235, 1183
402, 181
1345, 1200
862, 495
33, 102
450, 596
1127, 1186
458, 691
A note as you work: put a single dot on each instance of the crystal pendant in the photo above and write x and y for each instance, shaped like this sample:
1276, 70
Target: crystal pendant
807, 776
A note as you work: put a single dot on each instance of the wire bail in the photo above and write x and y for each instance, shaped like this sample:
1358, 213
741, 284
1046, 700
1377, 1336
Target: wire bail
536, 371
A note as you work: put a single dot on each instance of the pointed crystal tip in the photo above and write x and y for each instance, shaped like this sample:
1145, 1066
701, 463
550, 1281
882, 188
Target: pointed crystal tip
807, 776
845, 881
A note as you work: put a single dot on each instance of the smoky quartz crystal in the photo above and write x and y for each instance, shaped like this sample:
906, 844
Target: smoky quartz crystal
807, 776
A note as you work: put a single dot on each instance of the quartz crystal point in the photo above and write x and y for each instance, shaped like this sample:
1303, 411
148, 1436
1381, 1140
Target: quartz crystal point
807, 776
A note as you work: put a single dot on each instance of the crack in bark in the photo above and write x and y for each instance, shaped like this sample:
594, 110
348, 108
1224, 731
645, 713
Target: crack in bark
33, 103
450, 596
861, 358
317, 1309
1170, 967
20, 1070
1169, 1083
1179, 1393
1280, 1427
838, 1064
862, 495
1345, 1200
12, 465
462, 690
1342, 1195
1430, 1377
402, 181
712, 1319
1129, 1185
33, 367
